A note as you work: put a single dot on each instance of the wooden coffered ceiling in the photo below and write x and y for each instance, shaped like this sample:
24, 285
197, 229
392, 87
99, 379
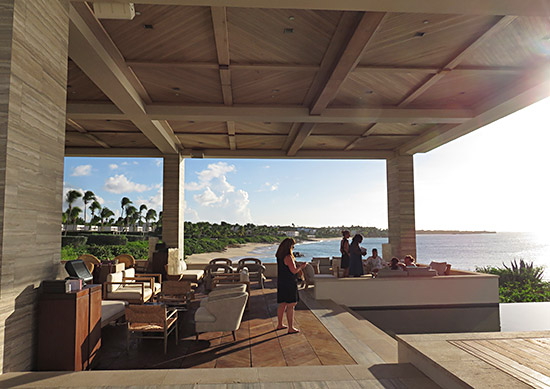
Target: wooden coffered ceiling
278, 79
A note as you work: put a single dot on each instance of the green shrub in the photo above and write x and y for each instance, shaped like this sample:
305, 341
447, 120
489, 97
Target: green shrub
520, 283
74, 241
107, 239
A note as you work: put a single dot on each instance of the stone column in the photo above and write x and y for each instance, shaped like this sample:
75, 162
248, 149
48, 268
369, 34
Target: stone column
33, 80
173, 201
401, 221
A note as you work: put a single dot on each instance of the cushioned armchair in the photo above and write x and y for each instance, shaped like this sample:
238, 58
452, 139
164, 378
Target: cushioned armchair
221, 313
255, 269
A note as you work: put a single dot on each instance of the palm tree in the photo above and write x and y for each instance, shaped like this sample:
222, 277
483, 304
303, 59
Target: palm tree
105, 214
151, 215
123, 204
73, 214
131, 213
95, 206
142, 208
71, 197
88, 196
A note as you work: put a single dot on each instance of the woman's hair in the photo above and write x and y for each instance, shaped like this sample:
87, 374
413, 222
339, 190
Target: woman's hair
411, 258
357, 239
344, 232
284, 248
394, 262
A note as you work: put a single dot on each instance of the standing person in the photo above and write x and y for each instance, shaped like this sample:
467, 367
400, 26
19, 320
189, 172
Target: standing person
344, 250
355, 253
287, 289
374, 262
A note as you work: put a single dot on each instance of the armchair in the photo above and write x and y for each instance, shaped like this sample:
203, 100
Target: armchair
211, 271
221, 314
221, 261
149, 319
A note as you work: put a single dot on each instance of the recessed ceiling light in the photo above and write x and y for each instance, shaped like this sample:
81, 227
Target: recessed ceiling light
175, 88
148, 26
275, 90
291, 18
369, 92
288, 31
426, 21
462, 93
191, 121
108, 120
419, 34
413, 124
177, 94
138, 13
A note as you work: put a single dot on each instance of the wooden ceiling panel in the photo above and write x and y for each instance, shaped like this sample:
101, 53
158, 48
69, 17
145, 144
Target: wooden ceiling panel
381, 142
214, 141
262, 128
339, 128
108, 125
524, 42
258, 35
80, 87
362, 89
178, 34
198, 127
398, 42
270, 87
322, 142
78, 139
181, 85
262, 142
462, 90
400, 128
125, 140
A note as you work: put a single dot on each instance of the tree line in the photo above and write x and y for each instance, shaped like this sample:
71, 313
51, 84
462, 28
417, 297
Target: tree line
103, 216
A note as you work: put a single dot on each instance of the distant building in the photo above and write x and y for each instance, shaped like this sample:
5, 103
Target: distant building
291, 234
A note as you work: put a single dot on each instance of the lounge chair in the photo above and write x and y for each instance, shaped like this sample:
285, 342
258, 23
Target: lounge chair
150, 319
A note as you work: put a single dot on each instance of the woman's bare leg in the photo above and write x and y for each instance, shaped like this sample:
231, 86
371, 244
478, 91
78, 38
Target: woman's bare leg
280, 313
290, 318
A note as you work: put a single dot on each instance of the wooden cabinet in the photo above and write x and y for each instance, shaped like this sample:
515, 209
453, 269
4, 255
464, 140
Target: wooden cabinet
69, 329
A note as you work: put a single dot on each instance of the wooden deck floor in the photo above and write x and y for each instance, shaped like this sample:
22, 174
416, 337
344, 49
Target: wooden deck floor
258, 343
525, 359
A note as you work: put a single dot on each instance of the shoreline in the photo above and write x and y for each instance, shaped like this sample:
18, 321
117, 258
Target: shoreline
245, 250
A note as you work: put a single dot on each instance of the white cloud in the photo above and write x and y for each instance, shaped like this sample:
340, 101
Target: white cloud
135, 162
120, 184
158, 162
82, 170
218, 199
154, 202
124, 163
113, 166
207, 198
267, 167
268, 187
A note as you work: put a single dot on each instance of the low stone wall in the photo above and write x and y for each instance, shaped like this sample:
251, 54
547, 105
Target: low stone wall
461, 289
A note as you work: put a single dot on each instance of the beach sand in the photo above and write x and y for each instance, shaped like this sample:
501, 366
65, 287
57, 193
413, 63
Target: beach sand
244, 250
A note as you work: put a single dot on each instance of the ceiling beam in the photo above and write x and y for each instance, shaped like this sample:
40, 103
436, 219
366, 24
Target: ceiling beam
368, 131
281, 154
304, 131
502, 23
347, 60
521, 94
281, 67
93, 51
468, 7
220, 113
112, 152
71, 123
221, 39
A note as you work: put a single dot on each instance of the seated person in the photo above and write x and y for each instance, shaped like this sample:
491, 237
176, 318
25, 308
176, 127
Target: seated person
410, 261
374, 262
396, 265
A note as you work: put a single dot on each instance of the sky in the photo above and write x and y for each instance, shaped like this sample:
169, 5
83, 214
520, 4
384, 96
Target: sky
495, 178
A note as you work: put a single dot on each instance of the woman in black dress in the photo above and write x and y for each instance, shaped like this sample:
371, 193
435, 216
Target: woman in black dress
287, 289
344, 250
355, 260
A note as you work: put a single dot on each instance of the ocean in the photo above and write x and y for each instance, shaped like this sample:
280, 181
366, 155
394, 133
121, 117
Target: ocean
463, 251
